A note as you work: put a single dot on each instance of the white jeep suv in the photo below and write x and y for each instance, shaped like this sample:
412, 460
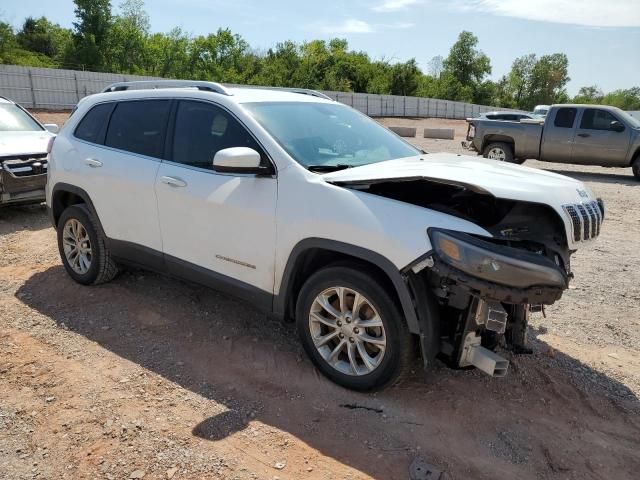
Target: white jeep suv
317, 214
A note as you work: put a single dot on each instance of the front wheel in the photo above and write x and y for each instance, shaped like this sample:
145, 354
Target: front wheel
352, 330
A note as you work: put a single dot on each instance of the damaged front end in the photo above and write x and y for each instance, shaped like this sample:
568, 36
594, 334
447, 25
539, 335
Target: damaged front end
23, 179
473, 292
483, 292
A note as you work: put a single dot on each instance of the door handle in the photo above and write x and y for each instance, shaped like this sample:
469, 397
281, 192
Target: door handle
584, 135
173, 181
92, 162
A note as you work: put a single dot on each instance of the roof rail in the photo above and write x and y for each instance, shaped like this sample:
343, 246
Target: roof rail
302, 91
154, 84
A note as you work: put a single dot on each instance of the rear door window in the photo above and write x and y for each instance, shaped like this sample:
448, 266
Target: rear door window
565, 117
139, 127
595, 119
94, 124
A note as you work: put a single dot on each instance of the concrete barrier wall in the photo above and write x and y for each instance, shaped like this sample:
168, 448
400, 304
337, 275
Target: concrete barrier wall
443, 133
58, 89
404, 131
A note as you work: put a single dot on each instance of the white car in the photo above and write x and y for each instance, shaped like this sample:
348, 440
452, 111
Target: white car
541, 110
24, 144
316, 213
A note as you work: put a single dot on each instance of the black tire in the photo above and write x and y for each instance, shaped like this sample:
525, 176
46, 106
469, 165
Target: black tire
399, 351
102, 267
635, 167
505, 148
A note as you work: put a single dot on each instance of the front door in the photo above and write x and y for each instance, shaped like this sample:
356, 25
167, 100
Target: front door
595, 142
215, 226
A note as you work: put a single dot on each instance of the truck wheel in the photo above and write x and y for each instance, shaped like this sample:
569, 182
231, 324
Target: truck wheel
82, 248
352, 330
635, 167
503, 152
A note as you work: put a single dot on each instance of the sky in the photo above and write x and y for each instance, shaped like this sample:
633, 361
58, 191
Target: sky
600, 37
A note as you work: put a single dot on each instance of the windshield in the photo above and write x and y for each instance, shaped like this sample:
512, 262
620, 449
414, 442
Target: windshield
630, 120
328, 135
14, 119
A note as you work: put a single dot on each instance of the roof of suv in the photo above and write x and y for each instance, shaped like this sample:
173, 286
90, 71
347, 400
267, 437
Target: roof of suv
235, 94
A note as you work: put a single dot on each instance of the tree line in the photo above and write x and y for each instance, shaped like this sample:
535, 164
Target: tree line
122, 42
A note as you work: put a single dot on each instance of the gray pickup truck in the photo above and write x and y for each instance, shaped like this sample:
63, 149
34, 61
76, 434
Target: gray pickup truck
582, 134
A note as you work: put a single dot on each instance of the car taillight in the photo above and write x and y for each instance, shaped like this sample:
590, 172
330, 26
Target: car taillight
50, 144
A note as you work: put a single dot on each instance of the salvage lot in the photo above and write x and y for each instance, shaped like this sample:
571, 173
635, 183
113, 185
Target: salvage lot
151, 376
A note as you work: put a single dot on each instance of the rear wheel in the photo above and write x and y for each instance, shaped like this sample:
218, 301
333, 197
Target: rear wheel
635, 167
82, 248
352, 330
500, 151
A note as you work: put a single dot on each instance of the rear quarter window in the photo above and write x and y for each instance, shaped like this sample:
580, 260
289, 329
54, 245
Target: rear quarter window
93, 125
565, 117
139, 127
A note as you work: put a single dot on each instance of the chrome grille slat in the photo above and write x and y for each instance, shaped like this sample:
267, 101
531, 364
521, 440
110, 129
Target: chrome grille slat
596, 207
586, 220
594, 219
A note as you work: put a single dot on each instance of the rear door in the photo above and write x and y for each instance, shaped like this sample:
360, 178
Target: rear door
596, 143
120, 174
217, 227
558, 135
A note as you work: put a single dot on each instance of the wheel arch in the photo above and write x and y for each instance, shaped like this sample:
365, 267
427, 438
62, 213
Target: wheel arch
311, 254
635, 157
497, 138
64, 195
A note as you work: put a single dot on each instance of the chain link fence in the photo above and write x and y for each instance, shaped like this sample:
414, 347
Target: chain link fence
57, 89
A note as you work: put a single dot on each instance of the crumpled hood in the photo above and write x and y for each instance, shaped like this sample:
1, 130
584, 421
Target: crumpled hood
24, 143
502, 180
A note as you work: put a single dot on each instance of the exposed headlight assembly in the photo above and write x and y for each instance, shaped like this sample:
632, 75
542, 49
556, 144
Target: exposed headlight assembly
496, 263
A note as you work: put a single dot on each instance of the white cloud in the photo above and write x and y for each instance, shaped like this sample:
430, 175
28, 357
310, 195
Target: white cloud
592, 13
359, 26
349, 26
394, 5
397, 25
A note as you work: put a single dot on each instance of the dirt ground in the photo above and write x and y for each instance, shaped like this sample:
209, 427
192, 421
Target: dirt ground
149, 377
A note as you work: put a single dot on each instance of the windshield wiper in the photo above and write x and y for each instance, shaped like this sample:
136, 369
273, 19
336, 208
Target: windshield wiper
328, 168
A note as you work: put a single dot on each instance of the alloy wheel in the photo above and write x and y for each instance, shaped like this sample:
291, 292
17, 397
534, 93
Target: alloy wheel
347, 331
77, 246
497, 154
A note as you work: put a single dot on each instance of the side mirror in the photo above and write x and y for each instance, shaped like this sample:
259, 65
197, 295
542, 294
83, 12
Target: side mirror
239, 160
51, 127
616, 126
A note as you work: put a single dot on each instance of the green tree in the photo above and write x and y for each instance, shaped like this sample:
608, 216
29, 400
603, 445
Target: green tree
519, 80
12, 53
405, 78
464, 69
91, 34
41, 36
279, 65
8, 41
533, 81
591, 94
128, 36
626, 99
167, 55
549, 77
